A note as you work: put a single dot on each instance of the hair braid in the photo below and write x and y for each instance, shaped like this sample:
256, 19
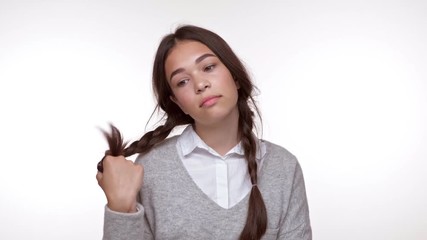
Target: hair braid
118, 147
149, 140
256, 222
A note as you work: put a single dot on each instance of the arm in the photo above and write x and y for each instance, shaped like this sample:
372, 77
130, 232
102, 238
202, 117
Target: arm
296, 225
121, 181
124, 226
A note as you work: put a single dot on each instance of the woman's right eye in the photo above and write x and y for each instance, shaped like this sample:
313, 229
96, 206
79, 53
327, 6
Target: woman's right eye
182, 82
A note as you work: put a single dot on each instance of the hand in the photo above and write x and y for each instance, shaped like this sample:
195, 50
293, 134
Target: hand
121, 181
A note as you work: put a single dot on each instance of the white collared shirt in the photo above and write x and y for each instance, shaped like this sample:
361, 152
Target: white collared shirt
224, 179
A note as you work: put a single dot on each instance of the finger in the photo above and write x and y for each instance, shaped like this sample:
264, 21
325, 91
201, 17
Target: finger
100, 166
109, 158
139, 168
130, 162
99, 176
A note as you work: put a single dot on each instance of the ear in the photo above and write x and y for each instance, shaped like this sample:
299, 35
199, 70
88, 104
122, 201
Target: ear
173, 99
236, 82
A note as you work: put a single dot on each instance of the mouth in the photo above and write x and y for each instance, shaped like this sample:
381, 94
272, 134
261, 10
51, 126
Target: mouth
209, 101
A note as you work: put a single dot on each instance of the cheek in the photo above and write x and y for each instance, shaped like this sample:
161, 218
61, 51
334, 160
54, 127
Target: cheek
183, 101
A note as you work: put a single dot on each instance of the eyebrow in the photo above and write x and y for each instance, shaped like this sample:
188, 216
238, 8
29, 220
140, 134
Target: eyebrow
198, 60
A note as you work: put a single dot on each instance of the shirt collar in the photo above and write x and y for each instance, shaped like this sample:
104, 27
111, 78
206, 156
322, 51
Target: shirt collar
189, 141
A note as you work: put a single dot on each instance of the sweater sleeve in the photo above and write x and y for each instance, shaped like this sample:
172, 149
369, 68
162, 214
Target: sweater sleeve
124, 226
296, 225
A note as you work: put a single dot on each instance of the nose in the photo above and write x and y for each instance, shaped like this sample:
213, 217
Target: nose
202, 85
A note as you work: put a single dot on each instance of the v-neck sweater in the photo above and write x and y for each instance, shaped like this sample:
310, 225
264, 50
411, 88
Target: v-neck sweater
174, 207
223, 178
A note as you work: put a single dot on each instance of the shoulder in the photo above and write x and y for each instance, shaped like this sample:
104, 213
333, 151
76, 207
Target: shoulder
278, 153
278, 163
164, 150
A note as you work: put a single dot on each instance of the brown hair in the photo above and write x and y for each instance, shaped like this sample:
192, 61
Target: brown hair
256, 222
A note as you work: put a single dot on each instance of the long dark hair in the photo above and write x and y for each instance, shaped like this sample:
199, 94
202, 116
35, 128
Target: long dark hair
256, 222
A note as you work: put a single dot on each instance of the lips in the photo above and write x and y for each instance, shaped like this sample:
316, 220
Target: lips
209, 101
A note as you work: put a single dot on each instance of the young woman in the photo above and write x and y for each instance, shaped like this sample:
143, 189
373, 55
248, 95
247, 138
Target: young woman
216, 180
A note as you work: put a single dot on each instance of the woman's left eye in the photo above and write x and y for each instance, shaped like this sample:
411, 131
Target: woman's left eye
209, 67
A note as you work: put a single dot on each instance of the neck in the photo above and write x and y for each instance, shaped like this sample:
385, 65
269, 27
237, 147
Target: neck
221, 137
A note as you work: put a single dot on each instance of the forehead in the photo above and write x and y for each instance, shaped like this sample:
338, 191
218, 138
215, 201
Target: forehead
185, 52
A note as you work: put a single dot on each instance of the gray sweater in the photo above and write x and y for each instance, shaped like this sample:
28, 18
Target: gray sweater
174, 207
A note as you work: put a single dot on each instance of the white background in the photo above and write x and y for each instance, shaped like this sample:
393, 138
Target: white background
343, 86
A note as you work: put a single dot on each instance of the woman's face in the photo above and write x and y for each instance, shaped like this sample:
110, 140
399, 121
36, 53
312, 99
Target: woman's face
201, 84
